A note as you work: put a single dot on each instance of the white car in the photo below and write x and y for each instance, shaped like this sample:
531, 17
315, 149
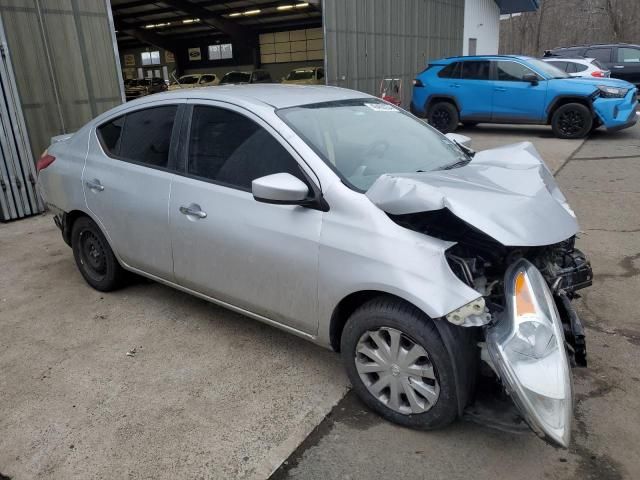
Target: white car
580, 67
195, 80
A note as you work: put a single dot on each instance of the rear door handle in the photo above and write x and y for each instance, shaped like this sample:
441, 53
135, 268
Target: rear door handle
618, 66
95, 185
455, 85
193, 210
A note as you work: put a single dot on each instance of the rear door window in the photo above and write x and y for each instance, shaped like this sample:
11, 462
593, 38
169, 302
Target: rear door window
628, 55
229, 148
600, 54
143, 136
475, 70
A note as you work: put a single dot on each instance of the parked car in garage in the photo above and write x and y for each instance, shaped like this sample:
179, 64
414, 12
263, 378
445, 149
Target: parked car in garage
255, 76
579, 67
194, 80
345, 220
623, 59
144, 86
305, 76
521, 90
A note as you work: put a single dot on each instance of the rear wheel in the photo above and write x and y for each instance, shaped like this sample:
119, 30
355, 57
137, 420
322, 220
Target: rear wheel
572, 120
443, 116
94, 257
398, 364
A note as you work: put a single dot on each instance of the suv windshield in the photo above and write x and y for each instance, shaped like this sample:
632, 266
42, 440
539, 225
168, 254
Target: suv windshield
547, 68
236, 77
300, 75
362, 139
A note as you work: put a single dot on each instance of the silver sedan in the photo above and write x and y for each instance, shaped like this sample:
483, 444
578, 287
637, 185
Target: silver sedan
348, 222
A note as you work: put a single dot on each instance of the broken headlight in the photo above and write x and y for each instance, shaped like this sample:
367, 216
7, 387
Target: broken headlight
527, 350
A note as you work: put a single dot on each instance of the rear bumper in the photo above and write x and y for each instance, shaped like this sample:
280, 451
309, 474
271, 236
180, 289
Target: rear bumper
617, 113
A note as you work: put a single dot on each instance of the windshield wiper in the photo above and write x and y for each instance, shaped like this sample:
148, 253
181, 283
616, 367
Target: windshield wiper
460, 163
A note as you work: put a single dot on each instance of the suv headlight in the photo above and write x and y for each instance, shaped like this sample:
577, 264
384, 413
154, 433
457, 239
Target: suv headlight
612, 92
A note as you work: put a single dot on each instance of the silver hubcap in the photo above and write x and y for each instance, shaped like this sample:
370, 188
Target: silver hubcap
397, 371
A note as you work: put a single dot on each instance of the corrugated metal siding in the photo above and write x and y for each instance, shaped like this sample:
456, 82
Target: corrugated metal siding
482, 21
64, 62
366, 40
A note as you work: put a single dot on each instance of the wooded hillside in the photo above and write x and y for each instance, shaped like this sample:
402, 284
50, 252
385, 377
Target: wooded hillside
571, 22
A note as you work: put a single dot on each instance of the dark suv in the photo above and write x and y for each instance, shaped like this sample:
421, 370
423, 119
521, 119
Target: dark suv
622, 59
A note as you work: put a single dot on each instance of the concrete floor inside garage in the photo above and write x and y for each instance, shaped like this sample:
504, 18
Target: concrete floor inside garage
207, 393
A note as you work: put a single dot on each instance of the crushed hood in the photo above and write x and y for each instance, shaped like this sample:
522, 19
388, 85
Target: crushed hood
507, 193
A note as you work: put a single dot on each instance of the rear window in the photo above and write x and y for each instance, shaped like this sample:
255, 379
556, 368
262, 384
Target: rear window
600, 54
450, 71
579, 67
236, 77
475, 70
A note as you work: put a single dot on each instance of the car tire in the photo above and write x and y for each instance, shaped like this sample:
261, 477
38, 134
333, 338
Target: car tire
380, 318
571, 121
94, 257
443, 116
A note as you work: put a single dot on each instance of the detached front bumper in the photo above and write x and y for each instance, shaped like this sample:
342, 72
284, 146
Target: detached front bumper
617, 113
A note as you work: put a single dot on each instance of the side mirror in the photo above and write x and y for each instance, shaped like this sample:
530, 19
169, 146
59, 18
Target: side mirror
532, 78
462, 140
280, 188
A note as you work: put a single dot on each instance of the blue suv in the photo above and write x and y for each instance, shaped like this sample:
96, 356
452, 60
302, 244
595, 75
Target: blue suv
524, 90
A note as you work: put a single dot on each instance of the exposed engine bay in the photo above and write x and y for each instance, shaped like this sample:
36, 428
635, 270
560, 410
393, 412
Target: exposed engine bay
480, 261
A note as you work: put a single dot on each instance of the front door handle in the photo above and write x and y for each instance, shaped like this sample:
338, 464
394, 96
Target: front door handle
500, 89
193, 210
455, 85
95, 185
618, 66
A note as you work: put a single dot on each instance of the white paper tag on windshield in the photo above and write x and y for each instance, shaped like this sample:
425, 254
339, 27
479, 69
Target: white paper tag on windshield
381, 107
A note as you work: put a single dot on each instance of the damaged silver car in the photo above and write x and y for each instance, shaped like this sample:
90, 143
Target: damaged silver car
346, 221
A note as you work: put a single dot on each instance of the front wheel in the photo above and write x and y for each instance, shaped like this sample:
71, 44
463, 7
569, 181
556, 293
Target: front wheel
398, 364
572, 121
444, 117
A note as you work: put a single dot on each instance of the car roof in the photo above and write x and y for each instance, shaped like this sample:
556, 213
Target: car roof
273, 94
445, 61
569, 59
589, 45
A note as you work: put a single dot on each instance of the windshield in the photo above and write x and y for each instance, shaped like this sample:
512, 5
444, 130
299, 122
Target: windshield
300, 75
362, 139
236, 77
547, 68
188, 79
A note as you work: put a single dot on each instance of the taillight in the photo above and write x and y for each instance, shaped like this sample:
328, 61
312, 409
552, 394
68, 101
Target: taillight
44, 161
598, 73
417, 83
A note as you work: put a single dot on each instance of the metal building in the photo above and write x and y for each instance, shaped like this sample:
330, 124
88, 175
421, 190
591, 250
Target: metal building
59, 69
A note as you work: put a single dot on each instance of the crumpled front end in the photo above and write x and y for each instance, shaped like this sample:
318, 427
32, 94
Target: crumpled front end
513, 241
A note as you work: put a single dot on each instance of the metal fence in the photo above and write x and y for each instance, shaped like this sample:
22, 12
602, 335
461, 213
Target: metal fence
60, 68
